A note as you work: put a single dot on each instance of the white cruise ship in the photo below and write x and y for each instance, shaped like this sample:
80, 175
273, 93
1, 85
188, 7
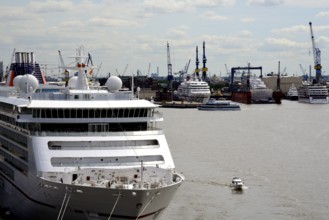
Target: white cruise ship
259, 91
313, 94
193, 90
81, 153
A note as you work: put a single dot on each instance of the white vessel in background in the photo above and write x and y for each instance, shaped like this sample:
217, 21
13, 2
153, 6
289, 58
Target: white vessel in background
219, 105
259, 91
81, 153
313, 93
292, 93
193, 89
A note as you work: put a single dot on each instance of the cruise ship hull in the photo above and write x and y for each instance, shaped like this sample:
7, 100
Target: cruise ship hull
313, 94
65, 201
312, 100
242, 97
257, 96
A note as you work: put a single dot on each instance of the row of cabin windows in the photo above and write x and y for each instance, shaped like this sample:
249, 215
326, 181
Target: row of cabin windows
92, 113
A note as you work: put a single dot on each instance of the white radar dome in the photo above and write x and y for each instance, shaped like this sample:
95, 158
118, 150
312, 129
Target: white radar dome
16, 81
73, 82
28, 83
113, 84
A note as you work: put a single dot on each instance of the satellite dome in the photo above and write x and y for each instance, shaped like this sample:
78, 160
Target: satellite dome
73, 82
28, 83
16, 81
113, 84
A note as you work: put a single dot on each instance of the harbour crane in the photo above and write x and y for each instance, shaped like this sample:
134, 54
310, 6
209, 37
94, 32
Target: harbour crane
124, 71
316, 56
66, 72
183, 71
148, 70
197, 70
170, 76
204, 61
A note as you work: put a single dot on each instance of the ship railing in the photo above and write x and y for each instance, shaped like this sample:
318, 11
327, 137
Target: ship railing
153, 131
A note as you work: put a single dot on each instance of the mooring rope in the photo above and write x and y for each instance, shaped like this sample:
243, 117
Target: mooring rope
115, 204
64, 205
146, 206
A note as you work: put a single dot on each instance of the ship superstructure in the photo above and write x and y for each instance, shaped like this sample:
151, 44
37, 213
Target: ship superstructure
78, 152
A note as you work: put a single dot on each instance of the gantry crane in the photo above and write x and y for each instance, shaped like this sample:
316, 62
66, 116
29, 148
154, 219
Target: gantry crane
316, 56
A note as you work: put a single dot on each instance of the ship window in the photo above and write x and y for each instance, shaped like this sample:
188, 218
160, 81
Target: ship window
73, 113
103, 113
43, 113
48, 113
92, 113
137, 112
66, 113
109, 113
54, 113
115, 113
79, 113
131, 113
60, 113
85, 113
97, 113
120, 113
126, 114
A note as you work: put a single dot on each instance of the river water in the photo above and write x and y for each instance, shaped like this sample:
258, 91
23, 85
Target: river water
281, 152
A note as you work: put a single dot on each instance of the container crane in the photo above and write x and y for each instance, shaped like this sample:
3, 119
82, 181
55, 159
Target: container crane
316, 56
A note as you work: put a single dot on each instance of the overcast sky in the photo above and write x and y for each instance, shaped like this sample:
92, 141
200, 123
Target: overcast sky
136, 32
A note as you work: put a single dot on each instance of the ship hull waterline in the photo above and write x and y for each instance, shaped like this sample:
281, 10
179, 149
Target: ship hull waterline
49, 198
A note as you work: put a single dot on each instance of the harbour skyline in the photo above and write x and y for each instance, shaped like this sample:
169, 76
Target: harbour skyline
135, 33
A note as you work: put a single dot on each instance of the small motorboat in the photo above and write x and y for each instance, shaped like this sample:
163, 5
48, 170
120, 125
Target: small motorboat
237, 183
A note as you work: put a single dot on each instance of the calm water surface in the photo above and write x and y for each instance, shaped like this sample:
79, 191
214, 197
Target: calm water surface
280, 151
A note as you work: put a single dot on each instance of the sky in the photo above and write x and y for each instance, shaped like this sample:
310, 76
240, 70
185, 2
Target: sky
134, 33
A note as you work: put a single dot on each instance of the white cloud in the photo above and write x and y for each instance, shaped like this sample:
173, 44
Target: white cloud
177, 32
171, 6
210, 15
266, 2
323, 14
293, 29
307, 3
50, 6
248, 20
283, 42
102, 21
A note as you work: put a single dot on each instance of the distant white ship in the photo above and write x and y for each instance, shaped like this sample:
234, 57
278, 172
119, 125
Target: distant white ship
292, 93
313, 94
81, 153
219, 105
259, 91
193, 89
